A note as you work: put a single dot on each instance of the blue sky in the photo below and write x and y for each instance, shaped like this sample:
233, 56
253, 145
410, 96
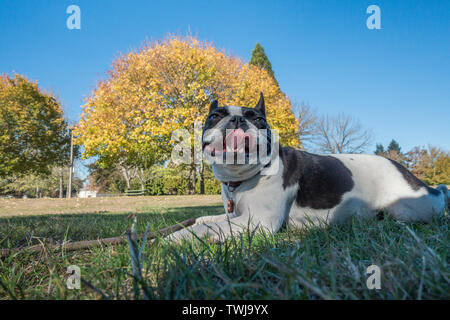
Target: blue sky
395, 80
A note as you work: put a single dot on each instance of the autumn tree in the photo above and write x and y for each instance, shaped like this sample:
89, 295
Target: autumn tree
38, 185
431, 165
33, 133
105, 179
341, 134
260, 59
129, 118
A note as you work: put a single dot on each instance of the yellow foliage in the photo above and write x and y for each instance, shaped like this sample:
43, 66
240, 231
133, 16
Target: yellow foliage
33, 132
431, 165
169, 85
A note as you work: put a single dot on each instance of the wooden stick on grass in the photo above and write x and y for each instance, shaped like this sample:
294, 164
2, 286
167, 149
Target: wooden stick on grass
86, 244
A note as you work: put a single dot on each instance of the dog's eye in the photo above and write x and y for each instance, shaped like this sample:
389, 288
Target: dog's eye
249, 114
261, 119
213, 116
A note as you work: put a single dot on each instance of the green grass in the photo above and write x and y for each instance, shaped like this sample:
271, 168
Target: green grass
311, 263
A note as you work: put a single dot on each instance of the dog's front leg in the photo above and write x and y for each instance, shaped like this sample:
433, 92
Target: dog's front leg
216, 231
206, 219
263, 213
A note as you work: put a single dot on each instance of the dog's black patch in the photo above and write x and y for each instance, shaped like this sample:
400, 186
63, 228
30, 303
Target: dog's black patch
412, 180
214, 117
322, 179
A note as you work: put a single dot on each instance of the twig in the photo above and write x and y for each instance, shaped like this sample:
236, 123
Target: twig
95, 289
86, 244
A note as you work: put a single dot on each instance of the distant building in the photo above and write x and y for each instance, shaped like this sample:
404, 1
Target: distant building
87, 194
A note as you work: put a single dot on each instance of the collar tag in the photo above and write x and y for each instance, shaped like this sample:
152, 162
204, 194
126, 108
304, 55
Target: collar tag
230, 205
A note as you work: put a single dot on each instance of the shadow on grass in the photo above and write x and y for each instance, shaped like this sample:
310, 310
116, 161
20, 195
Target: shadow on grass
327, 262
25, 230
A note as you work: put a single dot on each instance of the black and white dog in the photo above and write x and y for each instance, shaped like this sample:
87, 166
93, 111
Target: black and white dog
296, 187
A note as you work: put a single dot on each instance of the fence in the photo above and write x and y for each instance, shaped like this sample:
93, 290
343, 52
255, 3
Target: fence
136, 192
127, 193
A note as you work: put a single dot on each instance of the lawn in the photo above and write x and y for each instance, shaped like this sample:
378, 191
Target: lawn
311, 263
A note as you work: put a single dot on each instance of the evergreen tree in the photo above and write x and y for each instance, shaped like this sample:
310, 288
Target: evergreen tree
259, 59
379, 149
394, 152
394, 146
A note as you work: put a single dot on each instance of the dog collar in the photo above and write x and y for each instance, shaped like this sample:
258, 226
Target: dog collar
232, 185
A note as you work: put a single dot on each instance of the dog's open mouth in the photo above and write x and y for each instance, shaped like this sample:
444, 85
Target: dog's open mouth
236, 141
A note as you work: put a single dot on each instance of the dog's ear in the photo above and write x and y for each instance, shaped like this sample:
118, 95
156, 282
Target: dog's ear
261, 105
214, 105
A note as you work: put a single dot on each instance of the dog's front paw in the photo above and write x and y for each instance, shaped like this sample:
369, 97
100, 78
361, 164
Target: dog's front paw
179, 235
198, 231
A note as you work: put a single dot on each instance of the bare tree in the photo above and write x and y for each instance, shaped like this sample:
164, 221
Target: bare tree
341, 134
307, 119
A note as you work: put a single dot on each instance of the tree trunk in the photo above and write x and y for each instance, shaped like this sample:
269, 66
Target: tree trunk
194, 179
127, 180
142, 181
140, 174
202, 178
127, 176
69, 184
191, 184
61, 185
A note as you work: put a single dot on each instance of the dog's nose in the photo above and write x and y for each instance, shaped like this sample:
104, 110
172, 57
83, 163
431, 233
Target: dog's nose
237, 119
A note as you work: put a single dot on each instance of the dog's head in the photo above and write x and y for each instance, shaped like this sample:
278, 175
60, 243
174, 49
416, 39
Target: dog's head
238, 139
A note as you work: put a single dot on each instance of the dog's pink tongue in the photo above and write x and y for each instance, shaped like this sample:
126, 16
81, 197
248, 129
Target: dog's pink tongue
235, 140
